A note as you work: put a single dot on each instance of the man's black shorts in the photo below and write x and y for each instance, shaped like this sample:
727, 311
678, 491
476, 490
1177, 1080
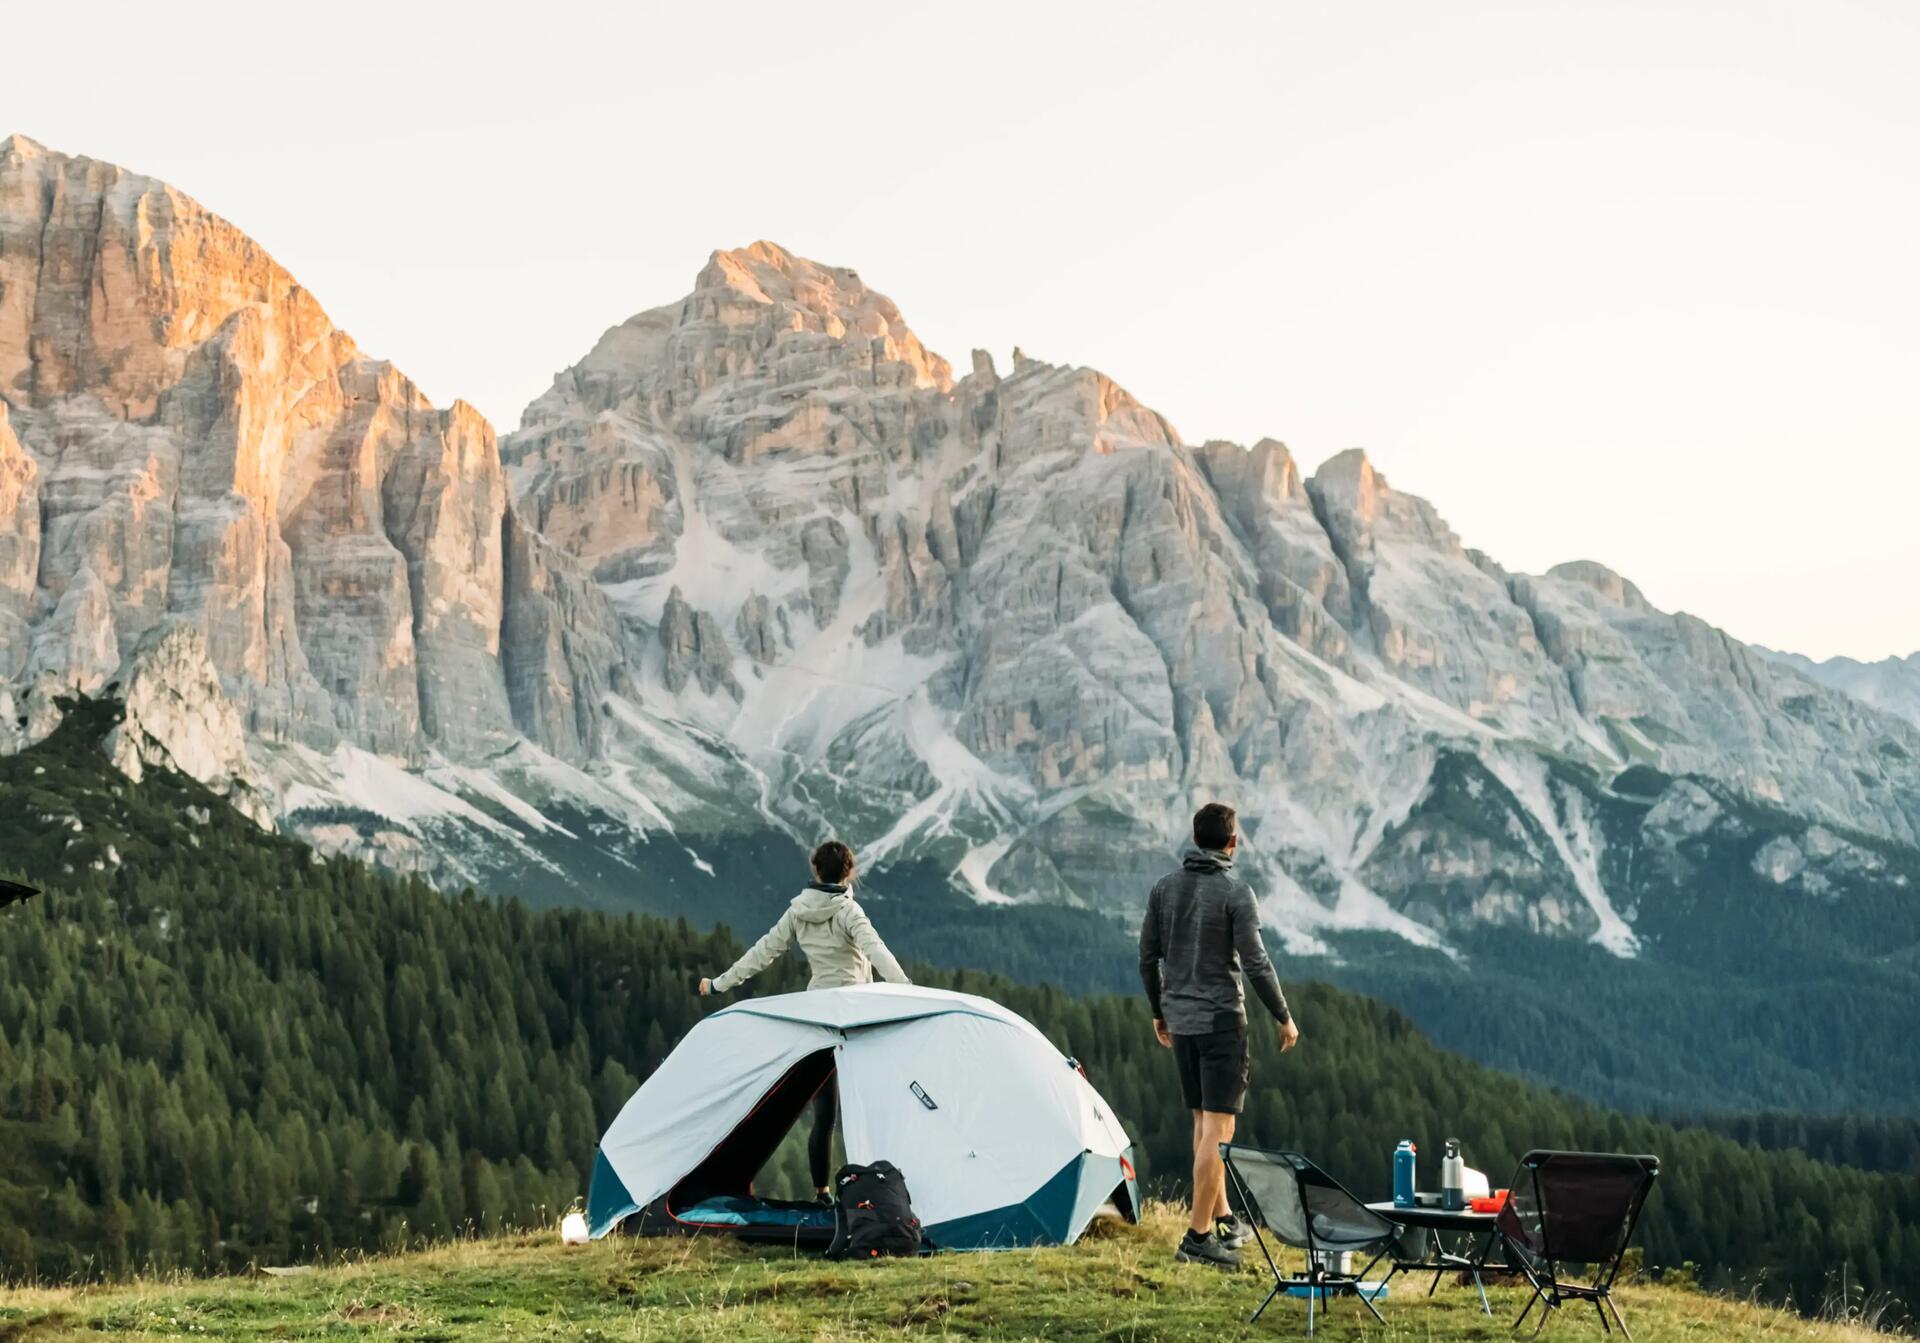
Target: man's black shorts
1213, 1069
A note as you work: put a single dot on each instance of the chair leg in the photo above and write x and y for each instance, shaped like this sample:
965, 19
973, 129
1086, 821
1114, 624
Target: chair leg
1310, 1295
1532, 1301
1268, 1302
1601, 1311
1367, 1301
1624, 1332
1479, 1264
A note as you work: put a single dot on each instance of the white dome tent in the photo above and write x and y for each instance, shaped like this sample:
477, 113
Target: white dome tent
1001, 1138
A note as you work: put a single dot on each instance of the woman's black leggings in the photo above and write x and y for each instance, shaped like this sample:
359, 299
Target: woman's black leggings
826, 1109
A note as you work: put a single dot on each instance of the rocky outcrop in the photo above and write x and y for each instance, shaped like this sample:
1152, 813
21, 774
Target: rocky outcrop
1891, 685
176, 717
1299, 577
75, 647
1433, 614
19, 549
696, 650
196, 441
1672, 691
560, 646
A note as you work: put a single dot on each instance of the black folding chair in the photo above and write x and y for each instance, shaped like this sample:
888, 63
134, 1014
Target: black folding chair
1306, 1208
1575, 1208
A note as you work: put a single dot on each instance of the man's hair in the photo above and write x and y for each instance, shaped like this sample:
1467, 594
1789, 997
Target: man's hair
833, 861
1214, 825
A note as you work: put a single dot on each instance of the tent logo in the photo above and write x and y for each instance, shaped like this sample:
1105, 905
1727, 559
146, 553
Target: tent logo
925, 1099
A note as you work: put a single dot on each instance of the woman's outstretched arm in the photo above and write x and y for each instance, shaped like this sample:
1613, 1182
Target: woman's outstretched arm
757, 957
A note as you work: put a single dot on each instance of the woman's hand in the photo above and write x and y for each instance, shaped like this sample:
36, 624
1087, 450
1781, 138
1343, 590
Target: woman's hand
706, 987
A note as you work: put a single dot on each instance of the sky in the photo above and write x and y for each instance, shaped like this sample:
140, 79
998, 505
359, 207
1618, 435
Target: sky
1630, 282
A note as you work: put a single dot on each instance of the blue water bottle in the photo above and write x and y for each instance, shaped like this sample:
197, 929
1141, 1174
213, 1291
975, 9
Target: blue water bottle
1404, 1157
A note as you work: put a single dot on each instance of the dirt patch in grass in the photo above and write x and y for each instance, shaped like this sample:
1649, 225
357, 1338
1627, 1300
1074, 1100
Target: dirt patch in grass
372, 1312
794, 1288
54, 1324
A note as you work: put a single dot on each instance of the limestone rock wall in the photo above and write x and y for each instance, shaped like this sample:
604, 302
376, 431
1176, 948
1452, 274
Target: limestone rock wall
188, 437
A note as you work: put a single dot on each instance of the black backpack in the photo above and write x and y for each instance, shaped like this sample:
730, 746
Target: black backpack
872, 1213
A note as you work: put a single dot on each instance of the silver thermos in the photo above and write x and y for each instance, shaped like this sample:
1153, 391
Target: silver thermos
1453, 1178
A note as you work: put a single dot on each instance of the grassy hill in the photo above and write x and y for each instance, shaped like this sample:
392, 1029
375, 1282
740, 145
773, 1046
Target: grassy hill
1120, 1284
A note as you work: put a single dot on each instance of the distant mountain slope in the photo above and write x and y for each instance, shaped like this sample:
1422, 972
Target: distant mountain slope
1891, 685
216, 1050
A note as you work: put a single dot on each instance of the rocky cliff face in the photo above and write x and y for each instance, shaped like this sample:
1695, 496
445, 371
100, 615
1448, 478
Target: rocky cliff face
1013, 622
177, 717
1891, 685
760, 562
185, 436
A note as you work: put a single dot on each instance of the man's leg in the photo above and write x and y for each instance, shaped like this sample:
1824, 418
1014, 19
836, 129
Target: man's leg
1209, 1175
1199, 1146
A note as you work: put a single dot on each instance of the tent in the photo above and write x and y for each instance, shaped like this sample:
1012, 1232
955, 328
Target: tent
1001, 1138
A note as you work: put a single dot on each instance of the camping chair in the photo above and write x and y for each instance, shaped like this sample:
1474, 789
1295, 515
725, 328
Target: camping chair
1575, 1208
1307, 1208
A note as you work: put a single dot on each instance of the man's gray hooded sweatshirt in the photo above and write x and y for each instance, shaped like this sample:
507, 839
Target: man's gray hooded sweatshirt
841, 946
1201, 931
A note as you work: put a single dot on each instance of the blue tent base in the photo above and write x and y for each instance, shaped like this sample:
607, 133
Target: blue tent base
608, 1202
1054, 1214
767, 1221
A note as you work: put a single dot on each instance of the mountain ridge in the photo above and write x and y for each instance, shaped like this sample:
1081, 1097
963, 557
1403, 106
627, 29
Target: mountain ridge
760, 563
1890, 684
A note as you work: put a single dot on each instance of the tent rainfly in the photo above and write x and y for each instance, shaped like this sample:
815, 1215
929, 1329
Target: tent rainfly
1001, 1138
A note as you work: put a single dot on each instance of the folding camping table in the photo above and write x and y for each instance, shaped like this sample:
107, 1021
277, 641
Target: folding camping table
1438, 1222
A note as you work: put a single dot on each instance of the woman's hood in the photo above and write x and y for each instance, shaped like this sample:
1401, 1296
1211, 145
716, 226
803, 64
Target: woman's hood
819, 904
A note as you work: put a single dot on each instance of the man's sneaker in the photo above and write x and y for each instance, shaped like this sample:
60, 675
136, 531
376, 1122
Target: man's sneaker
1232, 1232
1197, 1247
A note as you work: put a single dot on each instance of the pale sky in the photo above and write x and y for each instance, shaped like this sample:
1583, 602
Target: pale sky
1629, 282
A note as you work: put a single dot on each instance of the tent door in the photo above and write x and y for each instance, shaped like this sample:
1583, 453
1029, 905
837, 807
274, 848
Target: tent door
730, 1168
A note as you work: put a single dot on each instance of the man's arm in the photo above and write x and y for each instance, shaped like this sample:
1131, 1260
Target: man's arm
1151, 952
1254, 961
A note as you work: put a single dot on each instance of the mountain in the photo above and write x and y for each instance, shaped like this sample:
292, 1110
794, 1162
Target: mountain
187, 438
1016, 624
760, 567
1891, 685
218, 1050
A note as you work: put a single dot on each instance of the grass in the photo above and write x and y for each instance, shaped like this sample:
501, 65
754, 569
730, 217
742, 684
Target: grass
1120, 1285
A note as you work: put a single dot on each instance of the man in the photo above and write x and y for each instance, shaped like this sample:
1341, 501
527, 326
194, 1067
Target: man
1201, 932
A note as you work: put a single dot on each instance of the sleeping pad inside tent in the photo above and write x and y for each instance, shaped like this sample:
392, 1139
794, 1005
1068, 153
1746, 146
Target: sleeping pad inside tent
1002, 1140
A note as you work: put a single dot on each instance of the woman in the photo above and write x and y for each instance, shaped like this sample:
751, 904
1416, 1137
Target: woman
841, 947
